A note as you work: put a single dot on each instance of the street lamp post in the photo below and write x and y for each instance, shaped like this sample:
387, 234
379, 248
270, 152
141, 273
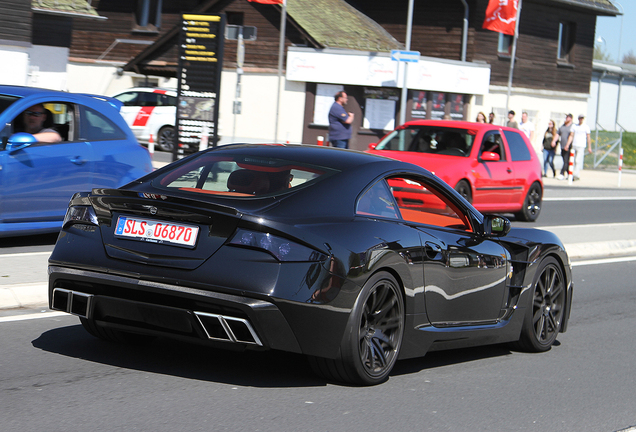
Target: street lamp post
620, 35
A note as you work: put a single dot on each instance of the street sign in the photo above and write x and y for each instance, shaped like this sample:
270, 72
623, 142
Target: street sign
405, 56
201, 44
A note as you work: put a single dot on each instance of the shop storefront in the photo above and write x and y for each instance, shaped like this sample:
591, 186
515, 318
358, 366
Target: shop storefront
438, 89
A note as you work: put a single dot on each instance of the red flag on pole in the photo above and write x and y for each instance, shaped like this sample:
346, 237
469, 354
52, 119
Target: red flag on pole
501, 16
267, 1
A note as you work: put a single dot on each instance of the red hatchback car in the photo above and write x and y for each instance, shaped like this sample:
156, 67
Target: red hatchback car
494, 167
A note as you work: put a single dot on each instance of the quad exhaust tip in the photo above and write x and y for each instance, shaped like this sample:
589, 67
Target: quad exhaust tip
229, 329
73, 302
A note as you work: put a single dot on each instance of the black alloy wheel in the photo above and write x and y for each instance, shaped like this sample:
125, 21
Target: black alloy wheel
165, 138
543, 319
531, 204
372, 341
463, 188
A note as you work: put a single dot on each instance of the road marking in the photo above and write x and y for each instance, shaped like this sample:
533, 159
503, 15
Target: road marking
598, 225
603, 261
622, 198
32, 316
24, 254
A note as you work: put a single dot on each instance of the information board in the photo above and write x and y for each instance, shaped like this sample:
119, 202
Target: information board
201, 45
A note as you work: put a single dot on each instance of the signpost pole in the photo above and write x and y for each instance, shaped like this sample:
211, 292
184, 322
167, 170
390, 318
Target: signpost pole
409, 27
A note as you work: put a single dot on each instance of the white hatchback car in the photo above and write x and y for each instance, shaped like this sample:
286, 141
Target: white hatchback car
148, 111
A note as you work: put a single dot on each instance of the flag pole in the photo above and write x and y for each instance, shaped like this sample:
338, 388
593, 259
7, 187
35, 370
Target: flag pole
514, 53
281, 54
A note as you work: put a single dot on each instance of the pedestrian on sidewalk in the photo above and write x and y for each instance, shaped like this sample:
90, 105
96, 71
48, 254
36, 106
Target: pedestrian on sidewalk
563, 134
340, 122
512, 123
549, 148
527, 126
579, 137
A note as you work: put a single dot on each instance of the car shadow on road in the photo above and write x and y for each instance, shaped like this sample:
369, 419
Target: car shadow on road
265, 369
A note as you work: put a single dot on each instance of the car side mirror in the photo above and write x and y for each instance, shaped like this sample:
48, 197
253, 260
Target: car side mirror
490, 157
497, 226
20, 140
372, 146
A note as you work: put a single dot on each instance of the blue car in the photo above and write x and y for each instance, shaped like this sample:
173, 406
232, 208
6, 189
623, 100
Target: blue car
54, 144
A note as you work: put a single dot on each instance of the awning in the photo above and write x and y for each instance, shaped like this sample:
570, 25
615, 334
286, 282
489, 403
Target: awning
67, 8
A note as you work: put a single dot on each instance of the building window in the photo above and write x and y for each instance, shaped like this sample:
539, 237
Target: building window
504, 46
566, 41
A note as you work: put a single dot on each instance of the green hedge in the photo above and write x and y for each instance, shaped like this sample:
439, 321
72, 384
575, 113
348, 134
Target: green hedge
629, 149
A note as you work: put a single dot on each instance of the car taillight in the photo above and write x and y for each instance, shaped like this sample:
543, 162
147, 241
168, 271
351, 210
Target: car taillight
80, 215
280, 248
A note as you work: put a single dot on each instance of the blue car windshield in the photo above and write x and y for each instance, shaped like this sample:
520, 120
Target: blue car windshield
6, 101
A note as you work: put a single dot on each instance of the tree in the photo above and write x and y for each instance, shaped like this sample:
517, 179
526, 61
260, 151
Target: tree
629, 58
601, 54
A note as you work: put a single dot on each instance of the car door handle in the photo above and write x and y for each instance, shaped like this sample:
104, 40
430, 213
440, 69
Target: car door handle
77, 160
509, 170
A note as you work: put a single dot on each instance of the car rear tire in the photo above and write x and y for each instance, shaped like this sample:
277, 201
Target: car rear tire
463, 188
544, 313
372, 340
531, 204
165, 138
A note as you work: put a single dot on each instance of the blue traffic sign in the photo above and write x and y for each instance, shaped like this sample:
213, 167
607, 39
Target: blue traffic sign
405, 56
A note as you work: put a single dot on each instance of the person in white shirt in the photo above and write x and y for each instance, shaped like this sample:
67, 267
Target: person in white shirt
526, 126
579, 137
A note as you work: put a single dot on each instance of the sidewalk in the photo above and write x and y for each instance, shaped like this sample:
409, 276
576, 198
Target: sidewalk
27, 286
597, 179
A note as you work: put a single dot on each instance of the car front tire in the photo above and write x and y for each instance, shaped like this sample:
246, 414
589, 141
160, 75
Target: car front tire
372, 340
463, 188
544, 314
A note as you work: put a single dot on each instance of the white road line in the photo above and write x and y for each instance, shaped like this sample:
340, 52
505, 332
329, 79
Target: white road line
32, 316
24, 254
603, 261
598, 225
616, 198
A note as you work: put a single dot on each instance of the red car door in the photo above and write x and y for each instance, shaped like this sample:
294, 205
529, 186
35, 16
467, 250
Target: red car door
494, 174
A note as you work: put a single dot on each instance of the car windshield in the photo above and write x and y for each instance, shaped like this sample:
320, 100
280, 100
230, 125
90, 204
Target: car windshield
6, 101
430, 139
230, 175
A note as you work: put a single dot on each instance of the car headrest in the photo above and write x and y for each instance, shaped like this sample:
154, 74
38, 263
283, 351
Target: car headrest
248, 182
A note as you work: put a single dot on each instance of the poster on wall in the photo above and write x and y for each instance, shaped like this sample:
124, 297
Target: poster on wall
439, 105
418, 110
457, 107
379, 108
324, 100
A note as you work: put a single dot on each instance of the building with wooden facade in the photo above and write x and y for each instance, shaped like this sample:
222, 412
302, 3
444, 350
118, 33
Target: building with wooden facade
346, 44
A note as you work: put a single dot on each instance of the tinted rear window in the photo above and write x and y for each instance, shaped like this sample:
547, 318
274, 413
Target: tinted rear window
240, 176
430, 139
518, 148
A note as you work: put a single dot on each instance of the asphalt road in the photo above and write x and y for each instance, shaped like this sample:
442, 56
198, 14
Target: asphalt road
55, 377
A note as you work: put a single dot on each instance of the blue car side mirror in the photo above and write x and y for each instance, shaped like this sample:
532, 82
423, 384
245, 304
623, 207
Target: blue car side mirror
20, 140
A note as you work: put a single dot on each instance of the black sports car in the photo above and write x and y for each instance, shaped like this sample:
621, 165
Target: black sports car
352, 259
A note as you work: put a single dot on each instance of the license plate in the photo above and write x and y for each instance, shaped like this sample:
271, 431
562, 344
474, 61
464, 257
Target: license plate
157, 231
